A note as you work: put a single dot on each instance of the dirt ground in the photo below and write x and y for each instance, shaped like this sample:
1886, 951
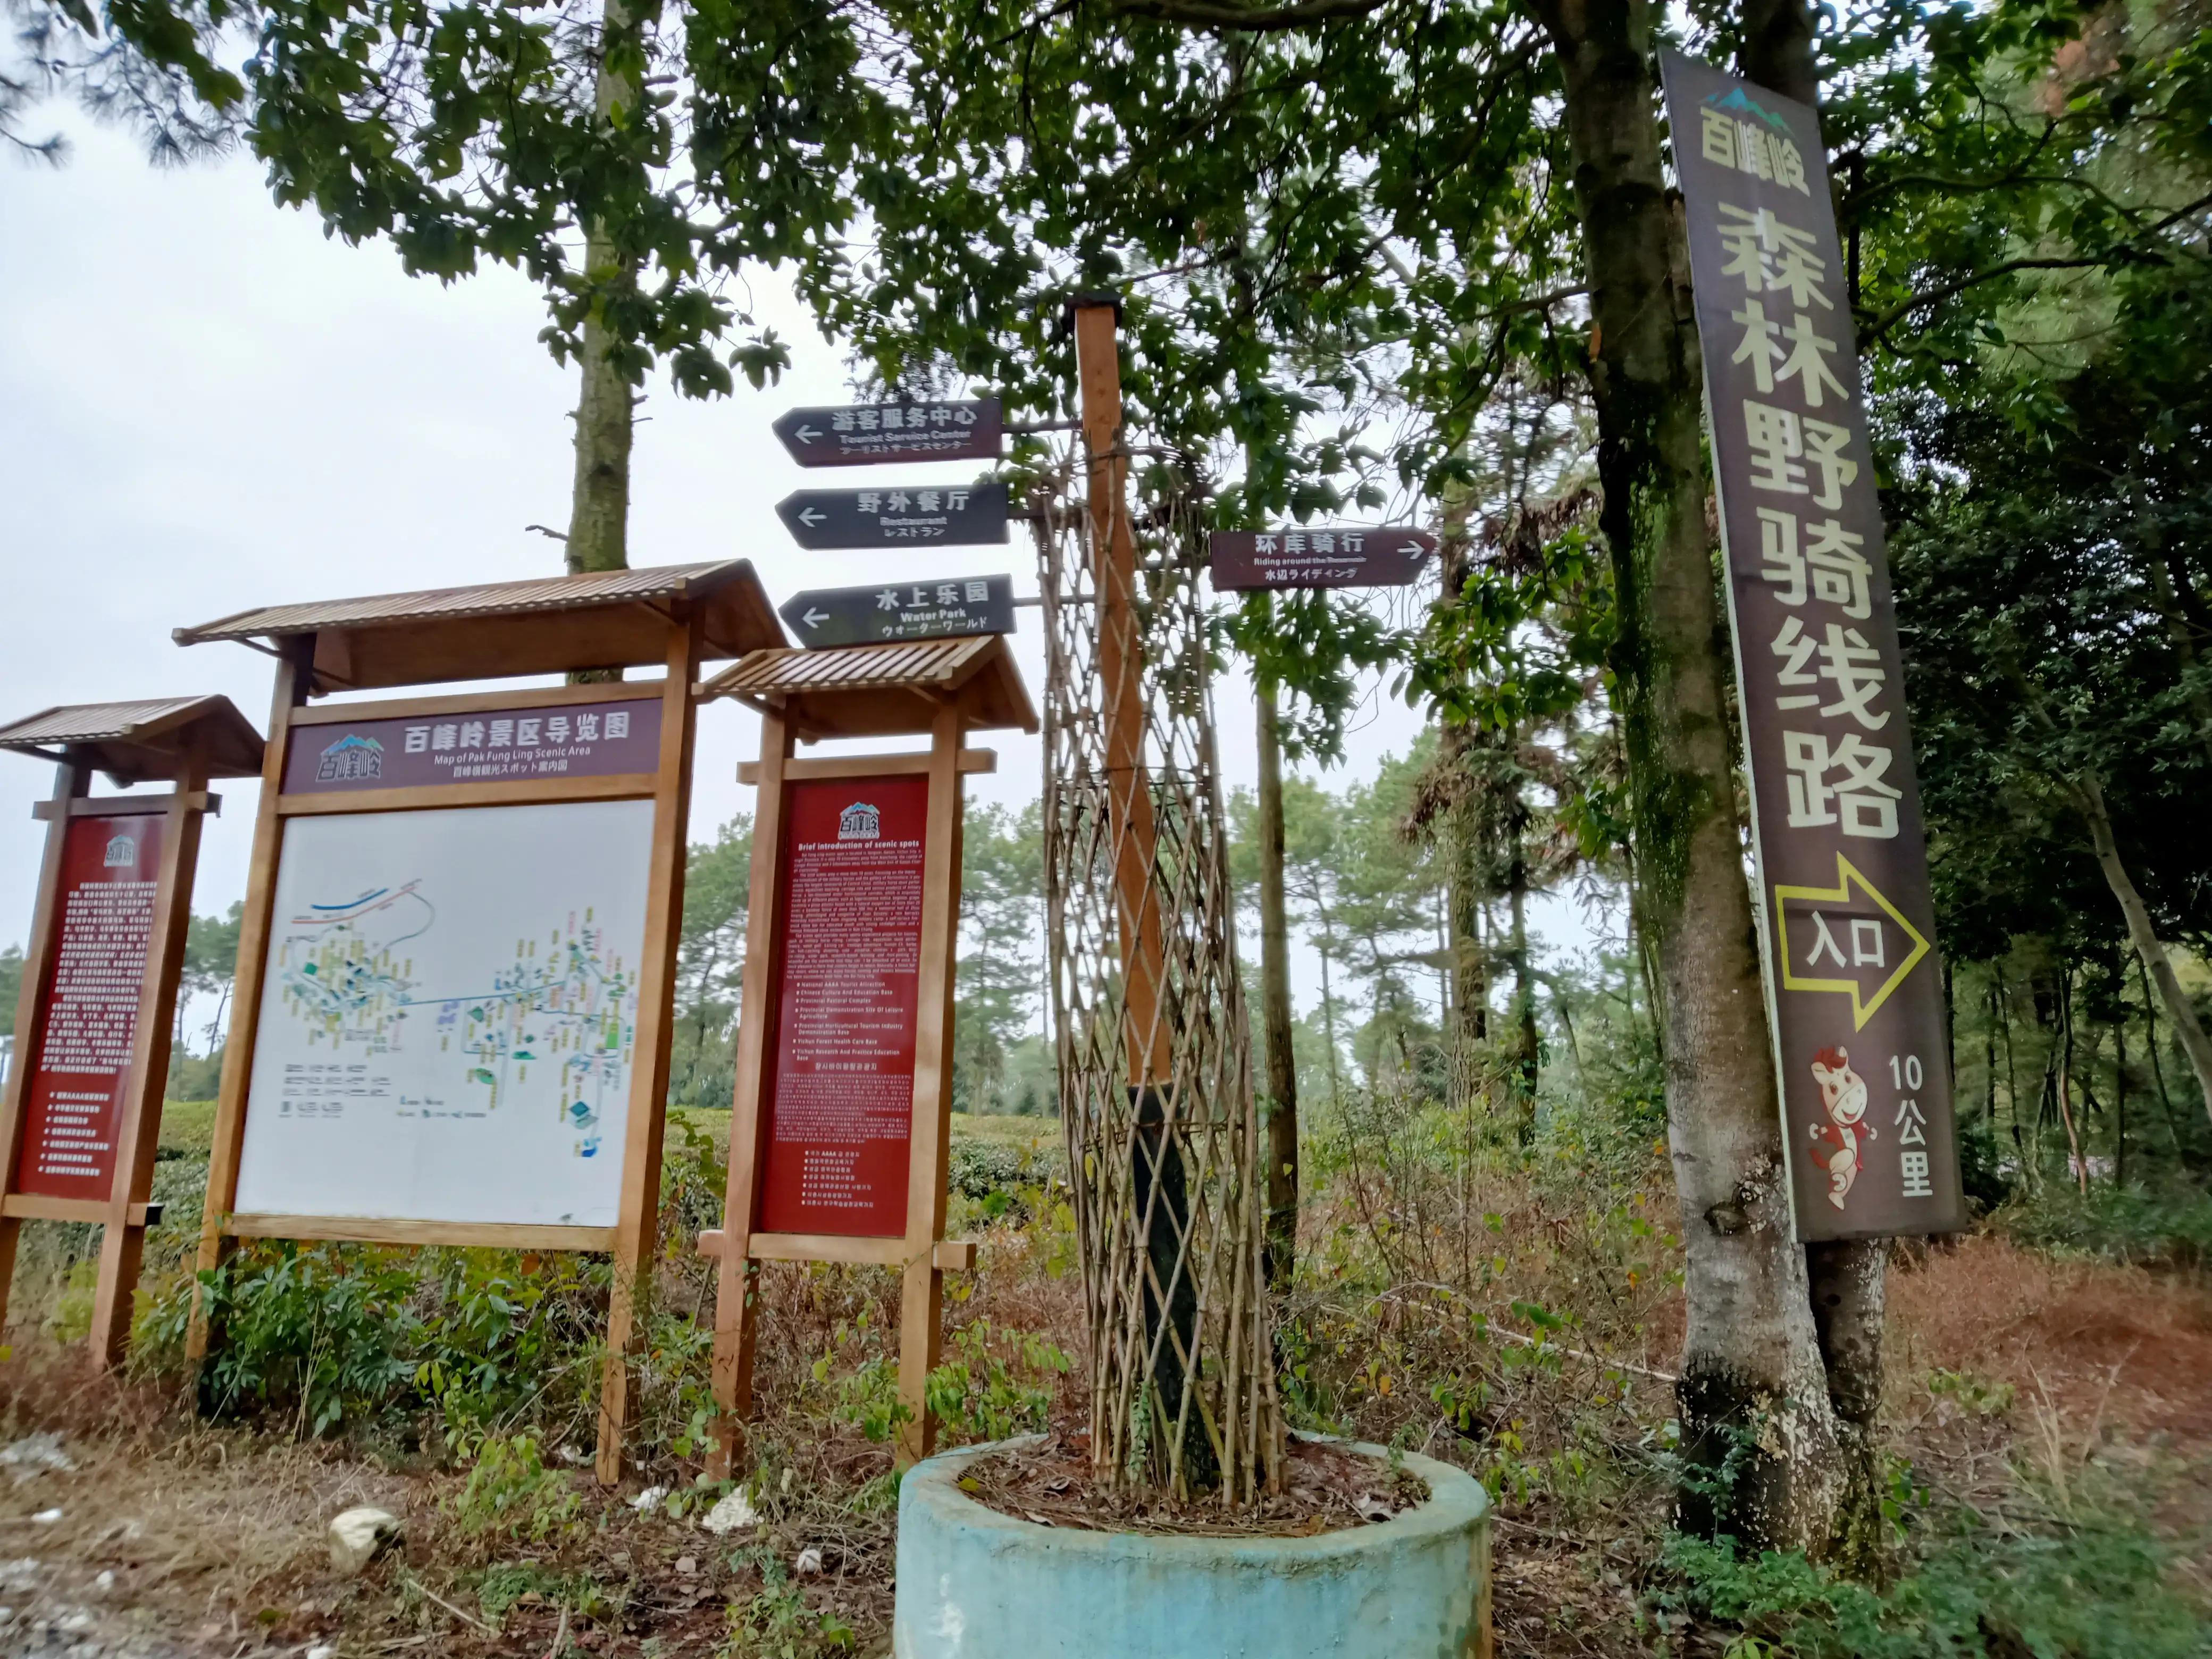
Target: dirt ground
169, 1539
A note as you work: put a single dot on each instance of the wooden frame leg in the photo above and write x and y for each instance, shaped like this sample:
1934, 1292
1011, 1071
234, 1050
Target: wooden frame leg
736, 1317
121, 1249
11, 1229
921, 1324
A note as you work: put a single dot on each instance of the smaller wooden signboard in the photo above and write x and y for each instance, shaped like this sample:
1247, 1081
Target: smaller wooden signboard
838, 1134
82, 1111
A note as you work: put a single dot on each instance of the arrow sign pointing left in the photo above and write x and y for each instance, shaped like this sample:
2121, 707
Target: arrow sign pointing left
905, 515
861, 434
825, 617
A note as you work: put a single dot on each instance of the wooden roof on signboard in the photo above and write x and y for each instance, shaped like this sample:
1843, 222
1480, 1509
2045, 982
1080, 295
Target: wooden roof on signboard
883, 690
139, 742
546, 625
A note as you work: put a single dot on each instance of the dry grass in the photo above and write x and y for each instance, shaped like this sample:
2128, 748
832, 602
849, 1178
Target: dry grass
1414, 1328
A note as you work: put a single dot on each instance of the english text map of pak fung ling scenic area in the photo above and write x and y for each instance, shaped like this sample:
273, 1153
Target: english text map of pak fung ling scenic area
448, 1016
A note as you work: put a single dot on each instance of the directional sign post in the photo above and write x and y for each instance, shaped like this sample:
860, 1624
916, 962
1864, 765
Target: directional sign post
866, 434
959, 515
1344, 555
824, 616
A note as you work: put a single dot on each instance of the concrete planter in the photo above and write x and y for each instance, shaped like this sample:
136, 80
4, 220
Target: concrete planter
977, 1584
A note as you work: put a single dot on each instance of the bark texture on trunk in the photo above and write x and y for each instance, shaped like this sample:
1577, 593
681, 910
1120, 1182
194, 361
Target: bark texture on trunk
1275, 1007
1846, 1280
1758, 1434
599, 506
2090, 796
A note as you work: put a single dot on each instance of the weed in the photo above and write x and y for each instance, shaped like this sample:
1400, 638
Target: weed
777, 1623
510, 1491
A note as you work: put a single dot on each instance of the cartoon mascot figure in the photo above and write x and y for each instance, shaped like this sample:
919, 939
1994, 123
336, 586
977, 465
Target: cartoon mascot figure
1843, 1093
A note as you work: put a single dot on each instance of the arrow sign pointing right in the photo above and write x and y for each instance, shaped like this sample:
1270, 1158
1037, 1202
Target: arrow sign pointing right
1324, 556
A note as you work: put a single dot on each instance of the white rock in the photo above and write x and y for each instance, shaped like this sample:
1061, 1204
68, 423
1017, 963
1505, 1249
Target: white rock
809, 1562
34, 1454
733, 1514
358, 1536
321, 1651
651, 1499
70, 1624
48, 1517
20, 1574
7, 1615
104, 1584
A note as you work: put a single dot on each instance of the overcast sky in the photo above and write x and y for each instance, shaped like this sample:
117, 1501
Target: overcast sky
206, 405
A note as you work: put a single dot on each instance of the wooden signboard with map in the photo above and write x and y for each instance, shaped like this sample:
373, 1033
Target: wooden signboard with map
839, 1127
456, 965
82, 1111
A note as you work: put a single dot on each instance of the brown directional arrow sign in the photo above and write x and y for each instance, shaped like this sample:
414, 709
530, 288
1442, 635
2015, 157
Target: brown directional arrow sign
901, 611
1327, 556
861, 434
896, 515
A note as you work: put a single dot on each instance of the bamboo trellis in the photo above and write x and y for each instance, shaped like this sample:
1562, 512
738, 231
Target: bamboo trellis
1155, 1084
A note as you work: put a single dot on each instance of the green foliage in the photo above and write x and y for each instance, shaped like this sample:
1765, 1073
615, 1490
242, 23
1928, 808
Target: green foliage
777, 1623
315, 1334
710, 965
510, 1492
2172, 1227
1000, 1384
2096, 1591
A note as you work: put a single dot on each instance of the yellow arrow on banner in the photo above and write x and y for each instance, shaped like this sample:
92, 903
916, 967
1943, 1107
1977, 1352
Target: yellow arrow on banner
1864, 1007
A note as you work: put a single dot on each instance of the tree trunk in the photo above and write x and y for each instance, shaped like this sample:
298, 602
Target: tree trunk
1758, 1434
2090, 796
1275, 1007
1847, 1279
1462, 842
599, 508
1528, 1044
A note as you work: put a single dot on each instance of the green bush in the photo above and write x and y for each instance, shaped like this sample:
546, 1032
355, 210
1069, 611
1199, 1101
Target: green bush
2093, 1589
314, 1334
2172, 1227
510, 1491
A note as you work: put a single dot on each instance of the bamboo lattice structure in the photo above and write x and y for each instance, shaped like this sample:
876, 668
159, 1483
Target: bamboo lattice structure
1156, 1090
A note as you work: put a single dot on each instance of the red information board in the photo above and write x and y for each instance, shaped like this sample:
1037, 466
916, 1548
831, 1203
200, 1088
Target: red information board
73, 1097
840, 1107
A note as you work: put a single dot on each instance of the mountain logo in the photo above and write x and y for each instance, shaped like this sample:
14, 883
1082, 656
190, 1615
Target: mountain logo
1737, 101
122, 852
860, 822
349, 760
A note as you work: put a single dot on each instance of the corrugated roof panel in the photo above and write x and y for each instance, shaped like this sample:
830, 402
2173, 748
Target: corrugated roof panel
91, 722
489, 598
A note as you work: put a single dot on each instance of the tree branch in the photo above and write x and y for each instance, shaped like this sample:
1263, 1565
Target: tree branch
1227, 14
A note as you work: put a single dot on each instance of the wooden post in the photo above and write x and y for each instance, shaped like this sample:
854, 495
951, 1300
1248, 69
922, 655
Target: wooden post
1121, 673
734, 1309
922, 1289
637, 1226
122, 1239
70, 781
295, 673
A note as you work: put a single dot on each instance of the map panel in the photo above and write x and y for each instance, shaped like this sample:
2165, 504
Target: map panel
449, 1016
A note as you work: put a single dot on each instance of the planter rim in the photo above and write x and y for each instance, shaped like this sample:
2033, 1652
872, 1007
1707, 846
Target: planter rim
1456, 1499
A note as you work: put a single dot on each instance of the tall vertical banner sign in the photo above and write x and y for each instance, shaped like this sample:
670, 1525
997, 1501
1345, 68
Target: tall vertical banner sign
840, 1105
1853, 979
73, 1097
